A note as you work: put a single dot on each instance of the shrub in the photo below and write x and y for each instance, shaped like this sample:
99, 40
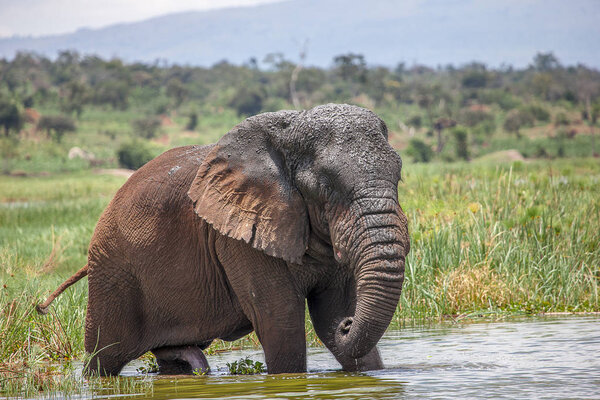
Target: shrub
461, 143
475, 79
415, 121
472, 117
134, 154
247, 101
516, 119
11, 119
419, 151
56, 125
192, 122
561, 119
146, 127
538, 112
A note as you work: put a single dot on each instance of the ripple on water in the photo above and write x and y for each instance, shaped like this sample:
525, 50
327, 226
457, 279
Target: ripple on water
545, 358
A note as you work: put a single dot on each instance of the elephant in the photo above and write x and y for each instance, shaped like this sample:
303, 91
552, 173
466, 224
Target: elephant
289, 209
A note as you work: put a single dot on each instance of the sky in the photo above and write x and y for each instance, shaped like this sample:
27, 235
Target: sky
49, 17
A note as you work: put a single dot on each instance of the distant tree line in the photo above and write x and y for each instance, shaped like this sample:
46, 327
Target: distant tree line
473, 98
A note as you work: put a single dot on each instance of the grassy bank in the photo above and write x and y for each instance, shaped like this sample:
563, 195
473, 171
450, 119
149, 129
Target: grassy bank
487, 239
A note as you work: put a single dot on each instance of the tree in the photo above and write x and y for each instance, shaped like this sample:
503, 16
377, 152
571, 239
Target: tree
115, 93
134, 154
419, 150
177, 90
11, 118
248, 101
146, 127
192, 122
545, 62
461, 143
73, 97
56, 126
440, 125
351, 67
513, 122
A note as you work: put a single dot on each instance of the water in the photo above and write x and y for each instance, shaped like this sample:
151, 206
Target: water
547, 358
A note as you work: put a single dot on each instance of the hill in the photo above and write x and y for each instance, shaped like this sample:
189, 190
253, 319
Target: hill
432, 32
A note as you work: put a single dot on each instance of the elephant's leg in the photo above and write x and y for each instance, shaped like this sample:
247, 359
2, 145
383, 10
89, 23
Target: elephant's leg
114, 325
327, 309
271, 301
175, 360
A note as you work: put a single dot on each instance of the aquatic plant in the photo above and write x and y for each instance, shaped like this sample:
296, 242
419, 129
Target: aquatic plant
245, 366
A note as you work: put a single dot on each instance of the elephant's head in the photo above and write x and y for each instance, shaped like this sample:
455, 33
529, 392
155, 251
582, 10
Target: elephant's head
294, 184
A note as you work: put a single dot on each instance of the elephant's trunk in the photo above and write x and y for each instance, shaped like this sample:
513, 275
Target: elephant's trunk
377, 245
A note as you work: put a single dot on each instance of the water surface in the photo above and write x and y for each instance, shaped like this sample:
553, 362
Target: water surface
542, 358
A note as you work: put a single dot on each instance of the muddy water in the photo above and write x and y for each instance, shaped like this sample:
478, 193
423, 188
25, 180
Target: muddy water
547, 358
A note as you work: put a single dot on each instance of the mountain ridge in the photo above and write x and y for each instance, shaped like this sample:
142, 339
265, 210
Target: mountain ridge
431, 32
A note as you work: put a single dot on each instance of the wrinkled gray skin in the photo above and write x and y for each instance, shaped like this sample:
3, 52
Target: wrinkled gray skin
215, 241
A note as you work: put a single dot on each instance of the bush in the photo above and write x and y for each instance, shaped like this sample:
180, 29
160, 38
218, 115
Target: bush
192, 122
475, 79
419, 151
538, 112
517, 119
561, 119
11, 118
247, 101
472, 117
146, 127
56, 126
134, 154
415, 121
461, 143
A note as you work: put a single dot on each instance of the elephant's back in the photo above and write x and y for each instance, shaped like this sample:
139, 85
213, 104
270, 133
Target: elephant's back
152, 205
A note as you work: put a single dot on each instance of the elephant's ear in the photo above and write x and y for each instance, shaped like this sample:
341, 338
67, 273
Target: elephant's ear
244, 189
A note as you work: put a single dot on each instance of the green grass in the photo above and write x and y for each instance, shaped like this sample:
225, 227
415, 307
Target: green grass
512, 238
487, 240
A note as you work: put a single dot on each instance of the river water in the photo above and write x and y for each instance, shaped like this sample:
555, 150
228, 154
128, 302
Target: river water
542, 358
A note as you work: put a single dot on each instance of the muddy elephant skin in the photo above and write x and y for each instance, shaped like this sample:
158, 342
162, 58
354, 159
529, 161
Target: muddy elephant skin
216, 241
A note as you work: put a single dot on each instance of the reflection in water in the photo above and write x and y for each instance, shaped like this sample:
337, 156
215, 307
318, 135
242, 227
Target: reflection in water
335, 385
545, 358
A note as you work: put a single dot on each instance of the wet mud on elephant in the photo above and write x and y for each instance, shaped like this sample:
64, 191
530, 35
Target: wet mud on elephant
216, 241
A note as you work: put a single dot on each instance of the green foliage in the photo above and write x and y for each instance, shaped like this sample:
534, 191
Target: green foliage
351, 67
538, 112
147, 127
113, 93
177, 90
56, 126
11, 117
475, 79
416, 121
150, 366
561, 119
192, 121
247, 101
517, 119
74, 96
419, 151
134, 154
245, 366
474, 116
461, 143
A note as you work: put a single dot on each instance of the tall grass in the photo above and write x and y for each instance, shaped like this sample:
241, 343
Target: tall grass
487, 239
516, 238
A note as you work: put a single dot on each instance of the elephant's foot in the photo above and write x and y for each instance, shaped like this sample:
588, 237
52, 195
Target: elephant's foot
177, 360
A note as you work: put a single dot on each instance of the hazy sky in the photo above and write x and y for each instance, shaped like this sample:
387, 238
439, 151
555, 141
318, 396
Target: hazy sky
44, 17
